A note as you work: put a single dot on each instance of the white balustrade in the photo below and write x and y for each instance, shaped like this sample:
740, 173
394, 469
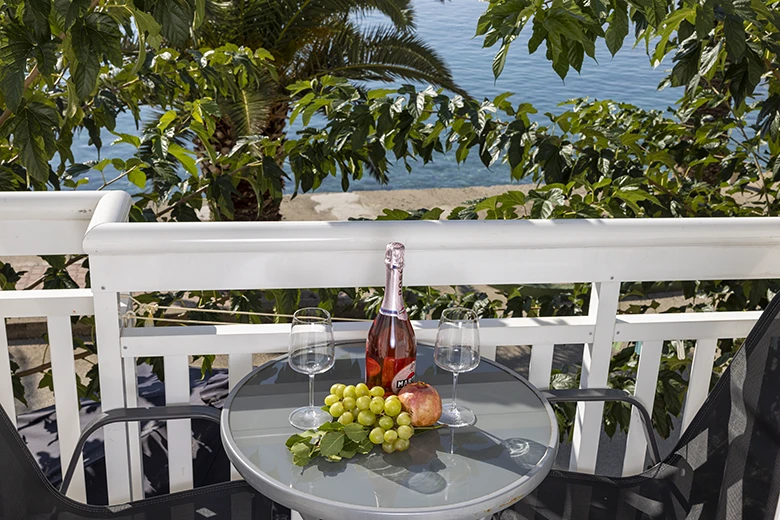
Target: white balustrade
139, 257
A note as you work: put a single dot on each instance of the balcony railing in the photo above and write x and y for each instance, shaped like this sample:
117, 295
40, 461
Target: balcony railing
139, 257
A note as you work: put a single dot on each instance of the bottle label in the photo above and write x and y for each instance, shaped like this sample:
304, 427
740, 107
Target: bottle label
403, 377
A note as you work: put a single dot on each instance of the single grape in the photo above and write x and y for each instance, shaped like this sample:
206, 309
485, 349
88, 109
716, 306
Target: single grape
331, 399
377, 391
377, 405
405, 432
336, 409
338, 389
349, 391
388, 447
377, 435
392, 407
349, 402
361, 389
401, 445
404, 419
386, 422
366, 418
391, 435
363, 402
346, 418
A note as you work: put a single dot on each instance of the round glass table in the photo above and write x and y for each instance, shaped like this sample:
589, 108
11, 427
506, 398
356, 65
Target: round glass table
464, 473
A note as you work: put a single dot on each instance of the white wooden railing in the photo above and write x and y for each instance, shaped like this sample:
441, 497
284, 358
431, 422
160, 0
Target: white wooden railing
129, 257
52, 224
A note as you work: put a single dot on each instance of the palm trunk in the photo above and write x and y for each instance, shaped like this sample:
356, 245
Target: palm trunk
244, 200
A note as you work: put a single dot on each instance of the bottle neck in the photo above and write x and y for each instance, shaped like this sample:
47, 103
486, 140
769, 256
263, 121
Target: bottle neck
393, 302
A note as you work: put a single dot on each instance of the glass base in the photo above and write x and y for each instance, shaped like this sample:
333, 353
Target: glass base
309, 417
456, 416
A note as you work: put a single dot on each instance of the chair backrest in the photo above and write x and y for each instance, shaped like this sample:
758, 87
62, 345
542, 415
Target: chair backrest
24, 491
728, 460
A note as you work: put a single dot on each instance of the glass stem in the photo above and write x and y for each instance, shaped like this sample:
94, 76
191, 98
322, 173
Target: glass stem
454, 390
311, 390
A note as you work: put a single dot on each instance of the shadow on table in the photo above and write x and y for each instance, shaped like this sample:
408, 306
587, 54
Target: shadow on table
436, 455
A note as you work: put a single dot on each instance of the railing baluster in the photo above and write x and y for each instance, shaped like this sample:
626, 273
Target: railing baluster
540, 367
595, 369
646, 381
6, 386
177, 391
699, 381
134, 431
239, 365
112, 393
488, 351
66, 400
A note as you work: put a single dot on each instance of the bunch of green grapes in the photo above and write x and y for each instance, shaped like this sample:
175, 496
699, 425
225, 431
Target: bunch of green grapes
388, 424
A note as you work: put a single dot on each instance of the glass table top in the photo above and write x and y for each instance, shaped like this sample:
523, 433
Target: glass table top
512, 443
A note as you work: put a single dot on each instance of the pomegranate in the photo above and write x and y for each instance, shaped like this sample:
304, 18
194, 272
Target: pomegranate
423, 403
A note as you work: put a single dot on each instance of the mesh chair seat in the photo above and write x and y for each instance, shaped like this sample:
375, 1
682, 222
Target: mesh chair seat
726, 465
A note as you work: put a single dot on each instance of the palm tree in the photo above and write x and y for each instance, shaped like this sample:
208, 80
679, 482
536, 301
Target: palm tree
311, 38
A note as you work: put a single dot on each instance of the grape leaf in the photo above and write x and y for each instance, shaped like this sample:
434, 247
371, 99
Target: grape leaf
365, 446
332, 443
331, 426
347, 454
301, 454
355, 432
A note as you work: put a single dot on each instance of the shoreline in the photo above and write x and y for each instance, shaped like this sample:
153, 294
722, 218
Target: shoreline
369, 204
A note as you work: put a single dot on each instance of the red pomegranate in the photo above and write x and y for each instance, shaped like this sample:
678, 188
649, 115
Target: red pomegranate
423, 403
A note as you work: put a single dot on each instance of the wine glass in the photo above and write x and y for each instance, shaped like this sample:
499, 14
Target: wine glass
457, 351
312, 351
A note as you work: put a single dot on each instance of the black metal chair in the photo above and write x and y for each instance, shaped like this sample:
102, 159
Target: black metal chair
26, 494
726, 464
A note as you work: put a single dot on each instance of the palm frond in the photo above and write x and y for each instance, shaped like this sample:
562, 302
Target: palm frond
400, 12
379, 54
247, 111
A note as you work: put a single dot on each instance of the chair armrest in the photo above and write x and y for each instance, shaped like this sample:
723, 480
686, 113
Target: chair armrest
157, 413
607, 395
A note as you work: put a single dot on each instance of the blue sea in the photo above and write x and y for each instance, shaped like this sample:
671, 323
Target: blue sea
449, 27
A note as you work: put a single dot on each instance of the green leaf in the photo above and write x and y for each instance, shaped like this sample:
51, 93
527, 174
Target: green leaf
347, 454
166, 119
32, 128
500, 59
355, 432
618, 28
127, 138
736, 39
332, 443
137, 176
301, 454
184, 157
175, 17
709, 57
75, 10
85, 75
36, 18
14, 54
365, 446
705, 20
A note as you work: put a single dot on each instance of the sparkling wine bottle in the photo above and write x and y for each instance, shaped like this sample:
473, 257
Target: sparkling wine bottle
391, 348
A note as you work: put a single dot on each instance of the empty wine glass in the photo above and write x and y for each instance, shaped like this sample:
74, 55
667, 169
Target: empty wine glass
312, 351
457, 351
